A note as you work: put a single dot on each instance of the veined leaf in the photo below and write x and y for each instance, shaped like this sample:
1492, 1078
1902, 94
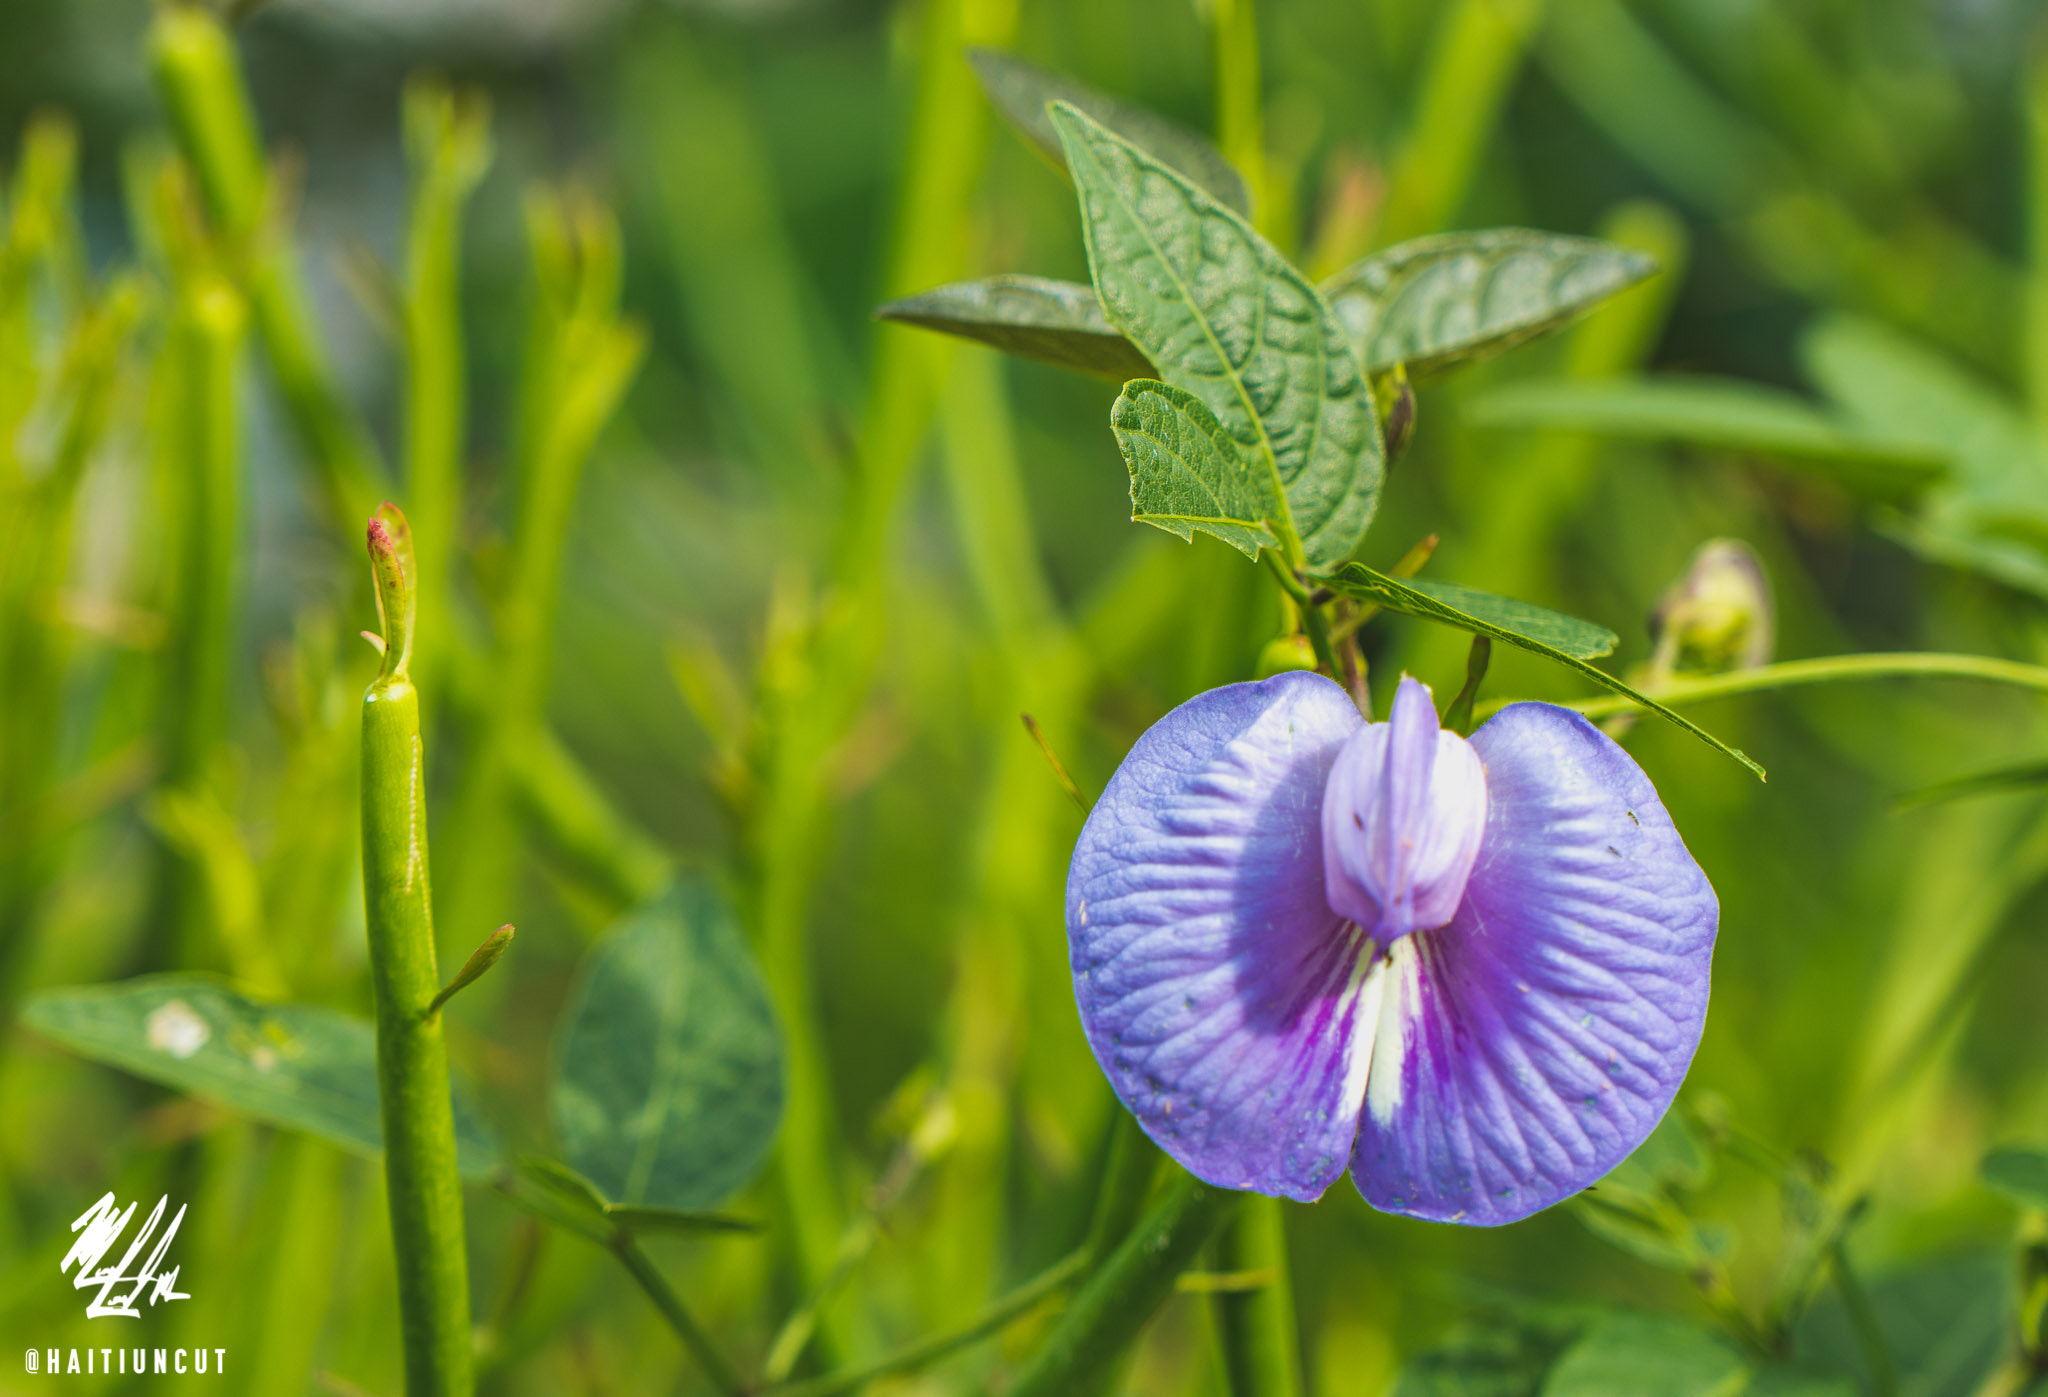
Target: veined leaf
1580, 639
1187, 473
297, 1066
1440, 302
1055, 322
1228, 319
668, 1064
1022, 90
1727, 414
1357, 580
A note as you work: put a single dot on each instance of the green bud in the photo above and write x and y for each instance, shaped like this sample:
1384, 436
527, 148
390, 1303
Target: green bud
1718, 616
1283, 653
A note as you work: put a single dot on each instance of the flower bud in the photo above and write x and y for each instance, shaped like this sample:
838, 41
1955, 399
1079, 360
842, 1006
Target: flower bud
1718, 616
1403, 812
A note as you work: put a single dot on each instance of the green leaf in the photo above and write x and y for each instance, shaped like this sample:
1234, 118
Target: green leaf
2022, 776
1991, 515
1723, 414
296, 1066
1630, 1355
1504, 1352
1581, 639
1022, 90
1357, 580
1186, 471
668, 1063
1228, 319
1670, 1159
1441, 302
1945, 1324
1055, 322
2020, 1172
585, 1199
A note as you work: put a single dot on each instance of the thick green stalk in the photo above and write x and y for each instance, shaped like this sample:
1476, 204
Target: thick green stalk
2035, 91
809, 709
1240, 110
206, 339
202, 92
1125, 1291
580, 359
447, 137
1826, 669
412, 1059
1256, 1327
1473, 63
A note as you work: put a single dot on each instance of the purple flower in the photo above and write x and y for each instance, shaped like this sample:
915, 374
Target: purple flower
1474, 971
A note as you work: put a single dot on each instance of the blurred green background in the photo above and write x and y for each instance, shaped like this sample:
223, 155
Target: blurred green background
782, 622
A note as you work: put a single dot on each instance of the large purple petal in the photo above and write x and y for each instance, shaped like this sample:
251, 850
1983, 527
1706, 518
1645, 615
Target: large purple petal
1218, 990
1527, 1047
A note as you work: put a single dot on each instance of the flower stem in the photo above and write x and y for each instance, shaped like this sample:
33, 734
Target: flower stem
1827, 669
1313, 622
927, 1350
1126, 1289
673, 1310
1256, 1327
412, 1059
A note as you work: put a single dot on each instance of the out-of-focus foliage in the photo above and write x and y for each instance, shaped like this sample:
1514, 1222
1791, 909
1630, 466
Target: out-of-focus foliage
724, 573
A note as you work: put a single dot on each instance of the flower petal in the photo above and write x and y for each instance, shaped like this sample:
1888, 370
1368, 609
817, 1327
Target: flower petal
1527, 1047
1217, 989
1402, 818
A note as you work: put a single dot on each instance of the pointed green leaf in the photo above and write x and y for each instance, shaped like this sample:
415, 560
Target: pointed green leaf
297, 1066
1228, 319
1357, 580
2022, 776
1187, 473
1579, 639
668, 1064
646, 1218
1946, 1323
1629, 1355
1055, 322
1021, 91
1441, 302
1725, 414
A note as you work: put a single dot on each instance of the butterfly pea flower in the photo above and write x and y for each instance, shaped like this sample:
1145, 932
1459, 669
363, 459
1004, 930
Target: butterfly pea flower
1472, 972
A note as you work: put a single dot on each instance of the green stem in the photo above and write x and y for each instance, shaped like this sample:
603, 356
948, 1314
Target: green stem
1472, 67
1884, 1376
412, 1060
1827, 669
676, 1313
1126, 1180
1123, 1293
1256, 1328
1000, 1313
1240, 117
202, 91
448, 140
1313, 621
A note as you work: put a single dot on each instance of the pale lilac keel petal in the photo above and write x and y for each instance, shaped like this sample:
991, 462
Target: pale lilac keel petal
1402, 818
1218, 991
1527, 1047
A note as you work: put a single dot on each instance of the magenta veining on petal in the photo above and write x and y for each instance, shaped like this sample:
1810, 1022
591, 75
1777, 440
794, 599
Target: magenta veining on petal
1472, 972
